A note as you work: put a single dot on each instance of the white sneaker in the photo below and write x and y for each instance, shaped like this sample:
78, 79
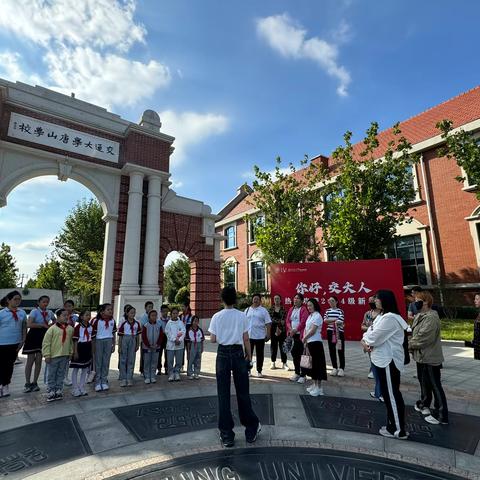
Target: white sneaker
294, 378
191, 377
123, 383
301, 380
177, 377
153, 380
105, 386
434, 421
147, 381
273, 367
334, 372
259, 375
98, 387
196, 376
423, 411
311, 387
316, 392
171, 377
341, 373
76, 393
370, 375
67, 382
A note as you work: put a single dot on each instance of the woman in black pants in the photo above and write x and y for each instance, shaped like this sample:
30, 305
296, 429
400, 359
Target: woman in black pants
279, 332
296, 319
335, 320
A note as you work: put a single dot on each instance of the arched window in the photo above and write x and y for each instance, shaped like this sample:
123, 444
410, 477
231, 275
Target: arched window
230, 272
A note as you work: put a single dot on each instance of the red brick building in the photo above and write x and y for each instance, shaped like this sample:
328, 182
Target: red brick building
442, 244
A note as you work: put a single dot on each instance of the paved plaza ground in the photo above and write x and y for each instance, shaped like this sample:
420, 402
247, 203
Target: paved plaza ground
126, 431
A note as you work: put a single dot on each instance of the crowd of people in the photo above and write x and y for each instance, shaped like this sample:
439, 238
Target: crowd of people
82, 344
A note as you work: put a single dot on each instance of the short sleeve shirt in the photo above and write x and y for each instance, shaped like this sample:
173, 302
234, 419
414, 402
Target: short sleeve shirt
229, 325
314, 319
11, 329
42, 317
258, 318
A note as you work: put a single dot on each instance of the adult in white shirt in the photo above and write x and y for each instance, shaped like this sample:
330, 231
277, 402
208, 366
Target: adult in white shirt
312, 340
384, 340
229, 328
259, 329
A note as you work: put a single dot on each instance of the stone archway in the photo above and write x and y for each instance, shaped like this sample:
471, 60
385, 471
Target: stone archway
126, 165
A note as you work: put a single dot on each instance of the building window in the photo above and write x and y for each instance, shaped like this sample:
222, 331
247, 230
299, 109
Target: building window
252, 226
231, 240
409, 250
229, 275
257, 274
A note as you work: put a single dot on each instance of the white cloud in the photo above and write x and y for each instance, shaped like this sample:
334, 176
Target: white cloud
33, 245
104, 79
11, 68
289, 38
176, 185
99, 23
190, 128
83, 46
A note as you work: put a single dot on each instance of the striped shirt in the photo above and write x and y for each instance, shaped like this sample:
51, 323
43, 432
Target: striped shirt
336, 314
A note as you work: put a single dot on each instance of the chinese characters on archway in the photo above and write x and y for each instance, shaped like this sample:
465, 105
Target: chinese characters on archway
351, 294
58, 136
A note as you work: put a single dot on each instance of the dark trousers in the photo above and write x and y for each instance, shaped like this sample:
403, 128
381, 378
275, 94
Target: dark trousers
163, 353
276, 343
332, 349
297, 352
431, 387
389, 378
259, 347
231, 360
319, 366
8, 355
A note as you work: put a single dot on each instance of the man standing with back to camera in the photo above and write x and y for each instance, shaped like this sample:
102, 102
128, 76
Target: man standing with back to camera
229, 328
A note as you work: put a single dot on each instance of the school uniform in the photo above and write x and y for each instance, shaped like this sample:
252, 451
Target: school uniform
336, 337
58, 346
34, 339
195, 339
175, 330
128, 334
152, 339
143, 321
72, 319
12, 325
104, 331
82, 338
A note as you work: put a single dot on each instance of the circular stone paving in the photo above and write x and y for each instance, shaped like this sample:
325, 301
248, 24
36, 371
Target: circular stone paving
280, 463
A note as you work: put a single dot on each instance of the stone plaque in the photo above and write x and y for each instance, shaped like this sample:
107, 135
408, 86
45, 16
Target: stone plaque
38, 446
172, 417
366, 416
277, 463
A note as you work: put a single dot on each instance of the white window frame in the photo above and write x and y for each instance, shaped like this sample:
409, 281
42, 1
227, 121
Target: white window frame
473, 221
231, 261
467, 187
234, 225
257, 257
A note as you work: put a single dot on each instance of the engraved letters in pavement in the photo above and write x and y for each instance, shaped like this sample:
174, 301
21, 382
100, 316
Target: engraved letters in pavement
366, 416
277, 463
171, 417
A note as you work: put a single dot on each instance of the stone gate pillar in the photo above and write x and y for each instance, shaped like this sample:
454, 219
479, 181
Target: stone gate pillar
108, 258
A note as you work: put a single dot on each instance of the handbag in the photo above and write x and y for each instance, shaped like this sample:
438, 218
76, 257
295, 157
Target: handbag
287, 345
306, 360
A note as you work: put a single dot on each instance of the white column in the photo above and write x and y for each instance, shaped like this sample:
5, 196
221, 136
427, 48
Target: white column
108, 258
152, 237
131, 252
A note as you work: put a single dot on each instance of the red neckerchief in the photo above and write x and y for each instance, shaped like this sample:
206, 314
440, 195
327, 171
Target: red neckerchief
63, 326
194, 336
14, 314
107, 322
45, 316
86, 334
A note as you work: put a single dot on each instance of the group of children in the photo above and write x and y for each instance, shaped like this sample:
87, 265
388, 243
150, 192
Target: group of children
76, 342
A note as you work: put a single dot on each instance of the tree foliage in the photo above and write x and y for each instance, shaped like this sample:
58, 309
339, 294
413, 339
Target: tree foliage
289, 202
48, 275
79, 247
464, 148
183, 296
177, 275
369, 197
8, 268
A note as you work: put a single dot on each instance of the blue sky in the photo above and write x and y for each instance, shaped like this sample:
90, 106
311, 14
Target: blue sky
238, 83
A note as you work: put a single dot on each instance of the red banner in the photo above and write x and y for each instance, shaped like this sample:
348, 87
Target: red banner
351, 282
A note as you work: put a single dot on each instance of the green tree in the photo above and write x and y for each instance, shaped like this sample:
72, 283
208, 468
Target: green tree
177, 275
31, 283
464, 148
79, 248
369, 197
182, 296
289, 201
49, 275
8, 268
